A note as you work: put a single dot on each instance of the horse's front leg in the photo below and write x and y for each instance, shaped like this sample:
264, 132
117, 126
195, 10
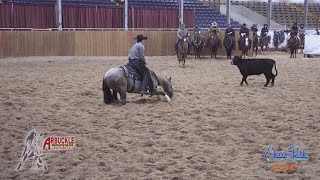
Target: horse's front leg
159, 92
123, 97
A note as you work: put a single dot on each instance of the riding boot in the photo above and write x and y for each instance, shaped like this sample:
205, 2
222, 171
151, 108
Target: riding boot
144, 85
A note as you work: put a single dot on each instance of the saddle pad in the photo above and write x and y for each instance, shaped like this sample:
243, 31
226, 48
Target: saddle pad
131, 72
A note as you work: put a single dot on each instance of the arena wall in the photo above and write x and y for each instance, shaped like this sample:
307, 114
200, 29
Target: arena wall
89, 43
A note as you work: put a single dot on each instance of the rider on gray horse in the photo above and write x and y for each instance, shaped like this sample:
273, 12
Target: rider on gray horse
264, 30
138, 61
183, 33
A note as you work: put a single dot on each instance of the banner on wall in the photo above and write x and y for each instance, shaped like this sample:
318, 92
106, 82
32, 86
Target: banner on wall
312, 44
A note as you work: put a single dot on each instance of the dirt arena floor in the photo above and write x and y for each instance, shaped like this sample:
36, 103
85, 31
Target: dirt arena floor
212, 129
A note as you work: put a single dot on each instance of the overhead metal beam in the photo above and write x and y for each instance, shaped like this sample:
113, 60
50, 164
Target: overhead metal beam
228, 4
269, 13
305, 13
181, 11
59, 15
125, 15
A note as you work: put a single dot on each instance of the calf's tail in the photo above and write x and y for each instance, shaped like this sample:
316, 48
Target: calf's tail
275, 67
107, 96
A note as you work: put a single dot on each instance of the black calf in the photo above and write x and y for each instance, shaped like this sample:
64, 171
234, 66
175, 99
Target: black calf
249, 67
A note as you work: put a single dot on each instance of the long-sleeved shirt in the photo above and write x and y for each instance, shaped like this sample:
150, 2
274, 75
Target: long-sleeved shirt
264, 31
212, 29
182, 33
294, 31
244, 30
137, 52
230, 31
196, 29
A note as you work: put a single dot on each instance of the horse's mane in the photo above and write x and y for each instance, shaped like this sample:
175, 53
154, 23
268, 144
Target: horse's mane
155, 75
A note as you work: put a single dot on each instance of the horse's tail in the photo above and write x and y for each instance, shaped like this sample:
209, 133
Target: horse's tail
107, 96
275, 67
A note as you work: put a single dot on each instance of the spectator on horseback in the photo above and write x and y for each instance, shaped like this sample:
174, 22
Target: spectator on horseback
213, 30
243, 31
301, 29
197, 29
230, 31
294, 30
264, 30
183, 33
138, 61
254, 29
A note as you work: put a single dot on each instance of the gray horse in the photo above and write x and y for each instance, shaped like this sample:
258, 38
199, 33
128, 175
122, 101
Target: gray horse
116, 81
182, 51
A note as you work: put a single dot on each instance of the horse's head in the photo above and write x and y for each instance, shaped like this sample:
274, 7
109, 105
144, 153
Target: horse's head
167, 87
236, 60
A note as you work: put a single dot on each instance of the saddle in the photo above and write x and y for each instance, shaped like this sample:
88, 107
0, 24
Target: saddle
131, 72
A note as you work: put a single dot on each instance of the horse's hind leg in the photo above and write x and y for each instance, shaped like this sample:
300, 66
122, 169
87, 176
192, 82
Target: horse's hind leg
114, 94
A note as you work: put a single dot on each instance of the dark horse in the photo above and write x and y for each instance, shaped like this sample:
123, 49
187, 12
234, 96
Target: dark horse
116, 80
229, 44
182, 51
276, 39
264, 42
255, 43
293, 44
214, 44
197, 44
245, 45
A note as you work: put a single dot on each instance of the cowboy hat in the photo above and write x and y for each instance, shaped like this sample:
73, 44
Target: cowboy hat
140, 37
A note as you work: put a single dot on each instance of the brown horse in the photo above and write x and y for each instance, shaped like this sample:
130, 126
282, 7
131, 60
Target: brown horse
197, 44
293, 44
182, 51
264, 42
255, 43
214, 44
276, 39
229, 44
245, 45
